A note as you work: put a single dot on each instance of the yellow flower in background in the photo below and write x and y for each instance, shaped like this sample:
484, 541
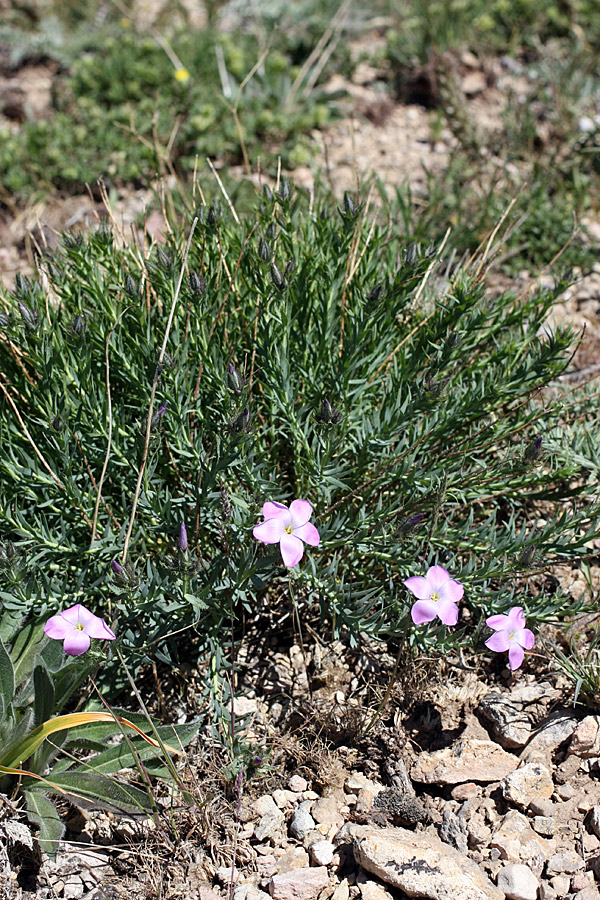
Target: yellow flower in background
124, 22
182, 75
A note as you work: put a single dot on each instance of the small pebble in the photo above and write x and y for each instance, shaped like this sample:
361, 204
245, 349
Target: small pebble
297, 784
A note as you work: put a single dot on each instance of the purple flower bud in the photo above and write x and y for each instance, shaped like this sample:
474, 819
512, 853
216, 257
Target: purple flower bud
534, 451
117, 567
183, 540
234, 380
162, 410
241, 422
410, 524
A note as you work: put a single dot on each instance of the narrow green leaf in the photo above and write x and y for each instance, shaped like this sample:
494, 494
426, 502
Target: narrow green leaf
100, 789
42, 812
7, 679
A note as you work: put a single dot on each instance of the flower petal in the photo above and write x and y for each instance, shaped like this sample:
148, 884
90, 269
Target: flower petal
301, 511
418, 586
437, 576
499, 642
76, 642
272, 510
57, 627
447, 611
76, 614
515, 656
97, 628
498, 622
452, 591
270, 532
527, 639
292, 549
516, 618
308, 533
423, 611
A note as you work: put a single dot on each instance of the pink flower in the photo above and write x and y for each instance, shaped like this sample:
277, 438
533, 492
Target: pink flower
438, 595
75, 626
511, 635
290, 527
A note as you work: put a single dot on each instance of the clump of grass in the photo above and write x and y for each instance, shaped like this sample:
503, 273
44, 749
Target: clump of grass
436, 393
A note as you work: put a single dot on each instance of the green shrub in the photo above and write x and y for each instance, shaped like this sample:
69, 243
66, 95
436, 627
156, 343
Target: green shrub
440, 393
122, 114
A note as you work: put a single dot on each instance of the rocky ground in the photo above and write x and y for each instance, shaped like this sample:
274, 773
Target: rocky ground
493, 796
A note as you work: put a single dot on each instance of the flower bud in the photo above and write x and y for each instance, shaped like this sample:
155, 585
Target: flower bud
534, 450
234, 379
264, 250
225, 502
241, 422
527, 556
375, 293
268, 193
328, 415
285, 189
271, 231
158, 415
183, 538
277, 278
117, 567
349, 205
78, 325
131, 286
410, 524
290, 266
4, 319
29, 316
197, 284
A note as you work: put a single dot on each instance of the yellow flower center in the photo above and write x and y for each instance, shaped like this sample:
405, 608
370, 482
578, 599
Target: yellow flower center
511, 635
79, 627
435, 597
289, 529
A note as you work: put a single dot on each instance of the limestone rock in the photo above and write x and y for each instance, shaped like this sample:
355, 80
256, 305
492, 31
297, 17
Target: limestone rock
300, 884
517, 842
518, 882
468, 760
586, 738
326, 811
420, 864
557, 729
508, 723
528, 783
321, 852
302, 822
565, 862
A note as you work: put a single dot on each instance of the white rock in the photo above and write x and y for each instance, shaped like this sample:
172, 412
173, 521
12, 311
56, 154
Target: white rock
249, 891
265, 804
518, 882
301, 884
595, 819
557, 729
565, 862
297, 784
468, 760
586, 738
528, 783
269, 825
420, 864
244, 706
356, 782
321, 852
302, 822
517, 842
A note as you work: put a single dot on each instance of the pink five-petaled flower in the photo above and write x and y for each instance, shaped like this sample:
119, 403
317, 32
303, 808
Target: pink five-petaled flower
288, 527
510, 635
438, 595
75, 626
